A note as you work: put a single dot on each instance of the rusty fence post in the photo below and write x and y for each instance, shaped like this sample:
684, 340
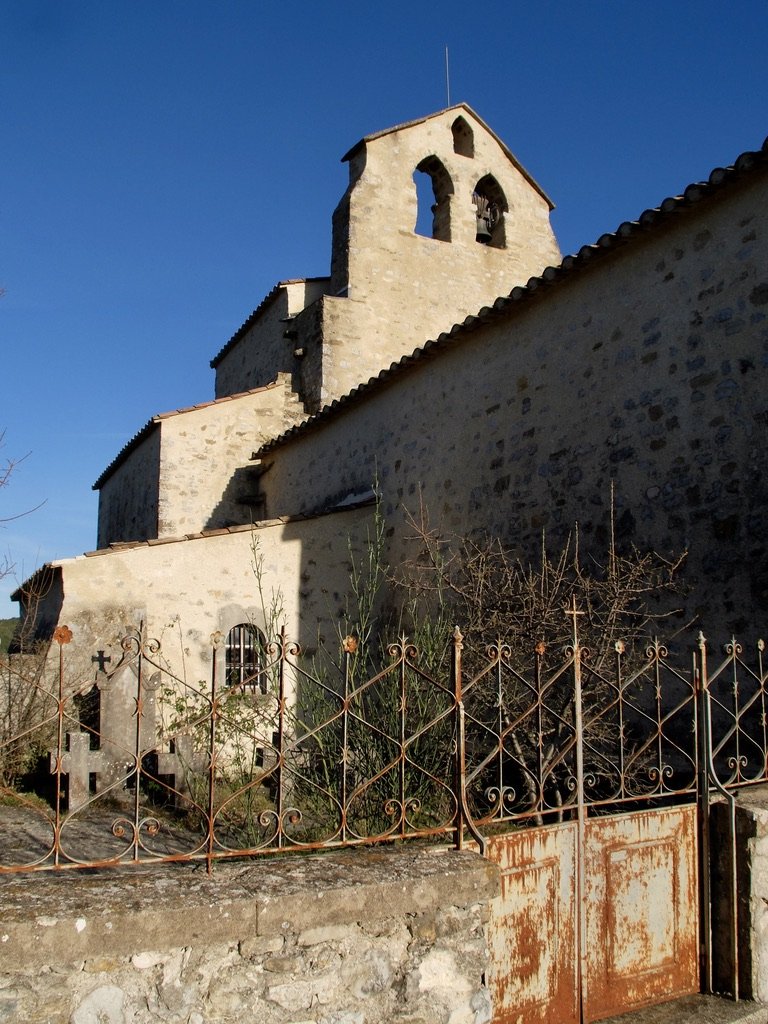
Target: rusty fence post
459, 762
62, 635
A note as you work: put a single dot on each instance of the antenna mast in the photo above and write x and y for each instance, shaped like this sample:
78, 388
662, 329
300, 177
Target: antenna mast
447, 78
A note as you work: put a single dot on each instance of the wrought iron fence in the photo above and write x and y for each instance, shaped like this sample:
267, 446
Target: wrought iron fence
145, 767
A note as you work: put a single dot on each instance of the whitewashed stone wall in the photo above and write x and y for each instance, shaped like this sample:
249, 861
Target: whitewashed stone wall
751, 818
129, 499
354, 938
184, 590
206, 479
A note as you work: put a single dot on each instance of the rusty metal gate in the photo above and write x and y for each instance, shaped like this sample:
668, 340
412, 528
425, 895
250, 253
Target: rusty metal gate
623, 934
582, 811
596, 807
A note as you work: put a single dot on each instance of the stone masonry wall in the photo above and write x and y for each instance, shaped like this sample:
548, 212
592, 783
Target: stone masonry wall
751, 817
193, 471
128, 501
646, 368
263, 351
206, 480
353, 938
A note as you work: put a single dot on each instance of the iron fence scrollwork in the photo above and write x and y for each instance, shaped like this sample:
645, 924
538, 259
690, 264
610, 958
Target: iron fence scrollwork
305, 754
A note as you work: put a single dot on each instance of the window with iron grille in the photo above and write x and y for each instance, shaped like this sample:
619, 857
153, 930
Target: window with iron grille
245, 658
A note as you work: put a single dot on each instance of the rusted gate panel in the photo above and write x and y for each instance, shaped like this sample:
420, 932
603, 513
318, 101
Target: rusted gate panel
641, 909
532, 931
640, 923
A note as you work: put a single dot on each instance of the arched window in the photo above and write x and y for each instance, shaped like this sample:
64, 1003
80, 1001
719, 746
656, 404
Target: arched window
490, 207
463, 138
244, 654
432, 172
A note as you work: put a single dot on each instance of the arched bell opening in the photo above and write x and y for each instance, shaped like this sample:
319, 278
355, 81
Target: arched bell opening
434, 189
463, 138
490, 206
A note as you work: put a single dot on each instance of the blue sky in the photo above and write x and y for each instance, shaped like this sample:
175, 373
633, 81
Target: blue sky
163, 164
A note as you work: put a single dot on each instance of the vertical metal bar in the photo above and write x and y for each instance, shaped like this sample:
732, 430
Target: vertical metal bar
760, 649
538, 656
401, 738
281, 736
619, 648
732, 826
499, 733
581, 830
212, 758
464, 817
703, 800
59, 754
659, 713
137, 748
734, 896
347, 652
735, 648
731, 802
459, 760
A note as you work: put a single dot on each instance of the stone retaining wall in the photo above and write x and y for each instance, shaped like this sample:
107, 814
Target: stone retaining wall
751, 894
361, 937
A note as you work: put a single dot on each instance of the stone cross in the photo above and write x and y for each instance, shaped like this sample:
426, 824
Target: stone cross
181, 762
77, 763
101, 658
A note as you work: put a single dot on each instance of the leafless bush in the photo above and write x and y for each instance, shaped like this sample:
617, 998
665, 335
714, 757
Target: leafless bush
497, 594
27, 699
523, 614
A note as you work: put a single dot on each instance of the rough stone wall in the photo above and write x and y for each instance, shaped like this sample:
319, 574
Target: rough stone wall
206, 479
751, 819
185, 590
310, 326
263, 351
193, 471
646, 369
128, 499
356, 938
401, 288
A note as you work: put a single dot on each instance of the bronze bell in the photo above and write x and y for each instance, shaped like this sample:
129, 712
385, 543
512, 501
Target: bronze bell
483, 233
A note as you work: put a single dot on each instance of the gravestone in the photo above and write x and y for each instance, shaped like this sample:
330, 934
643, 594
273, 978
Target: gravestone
77, 762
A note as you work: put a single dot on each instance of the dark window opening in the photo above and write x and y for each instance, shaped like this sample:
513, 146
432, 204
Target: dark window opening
245, 659
434, 189
463, 138
490, 206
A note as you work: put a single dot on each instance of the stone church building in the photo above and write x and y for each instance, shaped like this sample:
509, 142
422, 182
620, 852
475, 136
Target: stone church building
469, 368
